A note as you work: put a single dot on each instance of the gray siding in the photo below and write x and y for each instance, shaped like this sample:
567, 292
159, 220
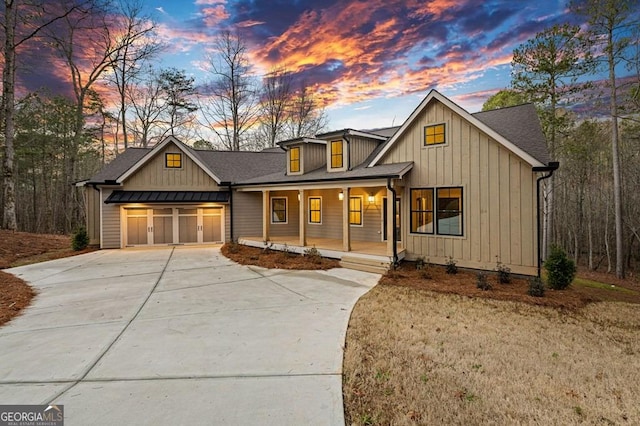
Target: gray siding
247, 214
360, 149
291, 228
110, 223
314, 156
92, 199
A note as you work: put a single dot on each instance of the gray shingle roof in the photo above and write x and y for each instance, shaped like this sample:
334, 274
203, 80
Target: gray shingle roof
321, 174
520, 125
226, 165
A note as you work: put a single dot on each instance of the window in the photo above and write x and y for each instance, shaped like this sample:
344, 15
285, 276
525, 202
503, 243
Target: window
336, 154
446, 203
422, 211
434, 135
279, 210
294, 159
315, 210
173, 161
355, 210
449, 215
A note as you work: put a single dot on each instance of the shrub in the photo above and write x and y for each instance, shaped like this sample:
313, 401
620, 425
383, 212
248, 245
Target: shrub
420, 263
536, 287
80, 239
481, 281
313, 254
286, 250
504, 273
451, 266
560, 269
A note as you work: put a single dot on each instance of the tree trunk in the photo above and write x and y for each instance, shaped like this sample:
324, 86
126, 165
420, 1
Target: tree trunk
8, 93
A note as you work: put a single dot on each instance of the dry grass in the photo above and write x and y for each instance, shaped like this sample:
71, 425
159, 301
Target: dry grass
420, 357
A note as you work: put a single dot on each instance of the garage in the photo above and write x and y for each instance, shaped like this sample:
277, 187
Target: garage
173, 225
170, 217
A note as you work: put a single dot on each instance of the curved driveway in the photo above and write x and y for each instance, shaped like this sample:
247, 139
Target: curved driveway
180, 336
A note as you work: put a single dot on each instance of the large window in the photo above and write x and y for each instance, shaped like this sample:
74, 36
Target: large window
279, 210
294, 159
336, 154
434, 135
449, 214
355, 210
422, 211
173, 161
315, 210
444, 203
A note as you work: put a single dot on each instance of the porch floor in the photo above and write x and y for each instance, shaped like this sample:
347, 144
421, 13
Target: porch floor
328, 247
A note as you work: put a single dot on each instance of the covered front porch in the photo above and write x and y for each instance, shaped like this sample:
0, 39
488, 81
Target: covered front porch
350, 223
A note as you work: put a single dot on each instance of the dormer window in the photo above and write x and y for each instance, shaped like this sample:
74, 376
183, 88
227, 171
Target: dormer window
337, 158
294, 160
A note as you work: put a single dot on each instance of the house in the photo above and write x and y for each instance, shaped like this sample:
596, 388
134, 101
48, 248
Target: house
445, 184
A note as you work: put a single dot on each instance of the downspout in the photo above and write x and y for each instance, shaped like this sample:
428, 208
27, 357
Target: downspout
393, 212
344, 136
231, 213
551, 167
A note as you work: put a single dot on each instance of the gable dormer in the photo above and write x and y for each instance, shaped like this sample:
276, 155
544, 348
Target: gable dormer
349, 148
303, 155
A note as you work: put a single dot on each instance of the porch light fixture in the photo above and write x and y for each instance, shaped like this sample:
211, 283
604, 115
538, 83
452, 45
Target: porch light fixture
372, 199
298, 196
340, 195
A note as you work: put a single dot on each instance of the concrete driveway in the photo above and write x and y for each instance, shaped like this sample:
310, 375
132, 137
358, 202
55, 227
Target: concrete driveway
180, 336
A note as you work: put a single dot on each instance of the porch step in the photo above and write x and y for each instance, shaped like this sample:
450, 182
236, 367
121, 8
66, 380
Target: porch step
376, 265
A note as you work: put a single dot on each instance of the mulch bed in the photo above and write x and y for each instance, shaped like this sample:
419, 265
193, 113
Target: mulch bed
273, 259
465, 283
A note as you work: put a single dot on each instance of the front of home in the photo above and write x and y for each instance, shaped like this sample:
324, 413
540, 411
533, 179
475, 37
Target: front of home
446, 184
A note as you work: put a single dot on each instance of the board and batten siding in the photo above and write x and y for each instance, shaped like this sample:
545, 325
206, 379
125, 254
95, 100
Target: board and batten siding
110, 222
314, 156
499, 194
154, 176
360, 148
92, 200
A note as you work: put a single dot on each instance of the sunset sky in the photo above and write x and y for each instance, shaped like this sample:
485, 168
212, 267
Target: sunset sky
371, 61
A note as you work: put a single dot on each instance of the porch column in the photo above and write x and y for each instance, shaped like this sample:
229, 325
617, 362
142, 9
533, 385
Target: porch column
303, 217
346, 229
266, 215
390, 228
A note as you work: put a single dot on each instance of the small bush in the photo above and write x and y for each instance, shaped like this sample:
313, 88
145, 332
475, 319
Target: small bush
452, 268
420, 263
80, 240
287, 251
504, 273
481, 282
313, 254
536, 287
560, 269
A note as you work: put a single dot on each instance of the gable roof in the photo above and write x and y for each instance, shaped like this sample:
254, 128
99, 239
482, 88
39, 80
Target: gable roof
521, 125
519, 146
224, 167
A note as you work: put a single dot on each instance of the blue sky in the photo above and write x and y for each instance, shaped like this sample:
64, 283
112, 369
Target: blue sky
369, 61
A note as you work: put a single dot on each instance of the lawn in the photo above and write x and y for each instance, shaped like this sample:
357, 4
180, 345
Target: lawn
417, 354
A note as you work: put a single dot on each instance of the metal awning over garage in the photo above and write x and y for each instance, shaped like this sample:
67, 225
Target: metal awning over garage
123, 197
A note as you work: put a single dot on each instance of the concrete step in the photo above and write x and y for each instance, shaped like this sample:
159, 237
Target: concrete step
376, 266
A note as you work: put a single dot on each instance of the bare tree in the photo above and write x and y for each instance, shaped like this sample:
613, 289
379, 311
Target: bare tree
305, 117
275, 100
136, 33
230, 107
609, 22
145, 98
177, 92
22, 21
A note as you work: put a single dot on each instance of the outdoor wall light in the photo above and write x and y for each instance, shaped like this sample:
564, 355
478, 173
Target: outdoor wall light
372, 199
340, 196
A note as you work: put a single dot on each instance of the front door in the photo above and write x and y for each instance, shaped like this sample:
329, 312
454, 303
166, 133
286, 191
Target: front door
398, 219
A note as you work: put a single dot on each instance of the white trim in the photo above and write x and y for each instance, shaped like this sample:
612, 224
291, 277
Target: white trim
318, 185
434, 94
286, 209
160, 147
101, 221
433, 145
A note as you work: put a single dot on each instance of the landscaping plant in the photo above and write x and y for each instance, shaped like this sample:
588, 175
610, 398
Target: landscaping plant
560, 269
